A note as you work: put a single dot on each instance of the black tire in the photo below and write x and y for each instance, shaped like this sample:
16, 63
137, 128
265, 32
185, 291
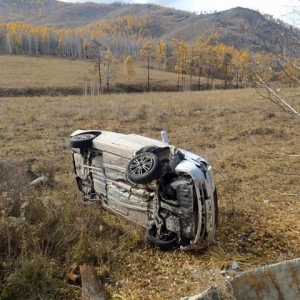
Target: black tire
143, 168
216, 207
163, 245
84, 140
185, 241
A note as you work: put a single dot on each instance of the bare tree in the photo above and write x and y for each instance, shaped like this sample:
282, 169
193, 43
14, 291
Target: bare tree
281, 65
275, 72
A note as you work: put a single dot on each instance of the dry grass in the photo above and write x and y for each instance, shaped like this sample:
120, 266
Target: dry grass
244, 138
38, 72
36, 75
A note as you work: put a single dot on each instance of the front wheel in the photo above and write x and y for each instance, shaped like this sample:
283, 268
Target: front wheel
166, 243
143, 168
216, 207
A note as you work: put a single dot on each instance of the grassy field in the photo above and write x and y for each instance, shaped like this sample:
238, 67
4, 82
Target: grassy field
252, 146
245, 138
35, 76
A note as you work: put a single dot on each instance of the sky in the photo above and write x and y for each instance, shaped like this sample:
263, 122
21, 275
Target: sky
282, 9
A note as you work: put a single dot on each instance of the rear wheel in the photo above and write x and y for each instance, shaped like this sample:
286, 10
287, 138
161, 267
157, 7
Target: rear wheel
84, 140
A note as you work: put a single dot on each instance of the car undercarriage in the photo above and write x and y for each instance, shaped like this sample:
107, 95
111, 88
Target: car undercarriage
168, 191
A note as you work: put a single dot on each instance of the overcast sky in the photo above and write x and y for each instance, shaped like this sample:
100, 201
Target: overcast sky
277, 8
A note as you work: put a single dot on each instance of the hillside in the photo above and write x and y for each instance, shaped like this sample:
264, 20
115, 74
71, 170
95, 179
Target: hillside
21, 10
239, 26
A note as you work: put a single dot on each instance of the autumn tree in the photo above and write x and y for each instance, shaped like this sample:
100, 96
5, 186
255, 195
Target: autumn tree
13, 38
148, 52
2, 38
210, 65
86, 48
126, 26
108, 63
289, 73
225, 55
190, 64
241, 62
161, 54
99, 49
263, 68
181, 49
128, 66
198, 50
60, 46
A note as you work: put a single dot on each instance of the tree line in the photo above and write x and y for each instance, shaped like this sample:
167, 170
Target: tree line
206, 59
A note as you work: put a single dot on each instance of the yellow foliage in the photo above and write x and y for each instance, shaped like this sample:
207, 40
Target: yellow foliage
128, 66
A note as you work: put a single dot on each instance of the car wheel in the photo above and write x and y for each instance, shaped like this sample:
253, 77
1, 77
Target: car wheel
216, 207
143, 168
84, 140
185, 241
162, 244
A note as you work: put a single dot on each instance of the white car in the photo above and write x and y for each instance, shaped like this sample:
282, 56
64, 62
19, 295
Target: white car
169, 191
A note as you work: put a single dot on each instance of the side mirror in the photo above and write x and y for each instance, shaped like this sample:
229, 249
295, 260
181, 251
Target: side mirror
164, 137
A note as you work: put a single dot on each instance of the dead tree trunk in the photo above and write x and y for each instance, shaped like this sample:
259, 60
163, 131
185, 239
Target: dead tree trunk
92, 288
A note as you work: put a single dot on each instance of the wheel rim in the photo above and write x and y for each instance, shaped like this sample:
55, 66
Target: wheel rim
142, 165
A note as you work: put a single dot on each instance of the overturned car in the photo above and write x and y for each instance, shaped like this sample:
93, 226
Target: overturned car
169, 191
